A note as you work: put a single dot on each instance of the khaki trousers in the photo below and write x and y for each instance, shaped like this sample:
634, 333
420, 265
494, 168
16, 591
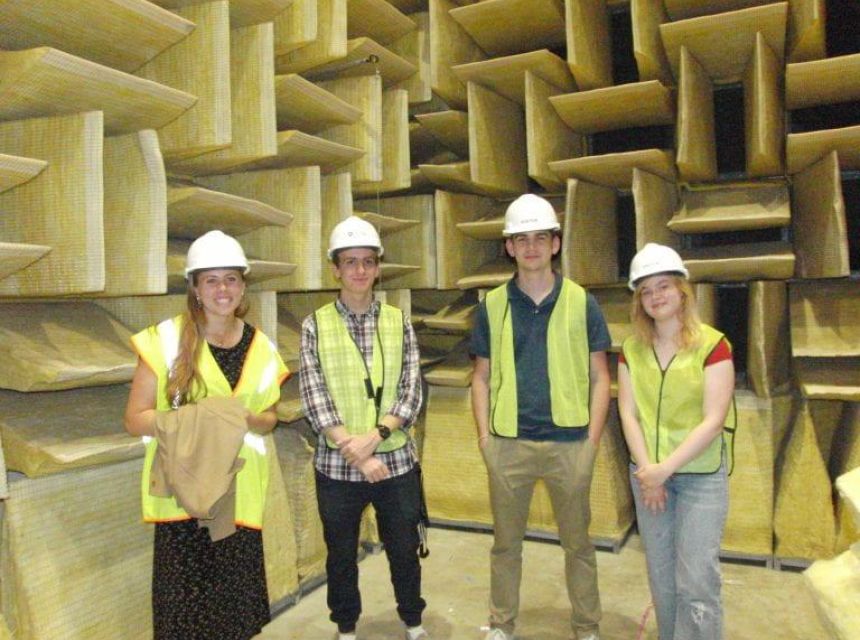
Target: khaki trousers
513, 467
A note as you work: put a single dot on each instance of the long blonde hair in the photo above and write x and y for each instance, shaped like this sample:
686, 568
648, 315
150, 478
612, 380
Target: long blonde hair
184, 381
643, 324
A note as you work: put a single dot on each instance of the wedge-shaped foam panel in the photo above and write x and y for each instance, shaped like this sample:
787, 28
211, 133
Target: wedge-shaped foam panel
589, 51
824, 319
15, 170
640, 104
50, 347
243, 13
724, 43
364, 92
252, 105
818, 221
459, 254
828, 378
589, 248
376, 19
651, 61
83, 575
296, 190
72, 429
121, 34
396, 173
14, 257
326, 44
61, 208
450, 45
737, 262
303, 105
829, 81
414, 47
617, 169
410, 254
49, 82
295, 445
804, 521
768, 337
761, 424
732, 207
365, 56
506, 76
135, 215
504, 27
548, 137
192, 211
804, 149
199, 65
298, 26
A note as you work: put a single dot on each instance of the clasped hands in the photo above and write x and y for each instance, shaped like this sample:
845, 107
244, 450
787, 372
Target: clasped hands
358, 452
651, 479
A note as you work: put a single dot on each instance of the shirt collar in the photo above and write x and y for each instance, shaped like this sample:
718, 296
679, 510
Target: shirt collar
515, 293
345, 311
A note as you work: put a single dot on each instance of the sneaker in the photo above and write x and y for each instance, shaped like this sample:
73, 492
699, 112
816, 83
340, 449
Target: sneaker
344, 636
418, 633
590, 636
497, 634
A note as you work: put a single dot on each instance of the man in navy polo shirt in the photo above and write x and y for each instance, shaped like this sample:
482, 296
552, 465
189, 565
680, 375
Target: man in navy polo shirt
540, 394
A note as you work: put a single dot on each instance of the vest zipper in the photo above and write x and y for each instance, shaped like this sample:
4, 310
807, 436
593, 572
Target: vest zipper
660, 400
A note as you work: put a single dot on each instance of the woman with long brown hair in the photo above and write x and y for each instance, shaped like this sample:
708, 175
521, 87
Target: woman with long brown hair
207, 585
675, 385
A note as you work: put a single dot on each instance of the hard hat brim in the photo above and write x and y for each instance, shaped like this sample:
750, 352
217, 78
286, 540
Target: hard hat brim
632, 284
244, 269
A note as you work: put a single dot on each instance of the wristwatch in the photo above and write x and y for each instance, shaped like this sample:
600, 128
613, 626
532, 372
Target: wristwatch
384, 432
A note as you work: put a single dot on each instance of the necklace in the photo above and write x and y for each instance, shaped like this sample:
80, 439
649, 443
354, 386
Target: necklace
225, 340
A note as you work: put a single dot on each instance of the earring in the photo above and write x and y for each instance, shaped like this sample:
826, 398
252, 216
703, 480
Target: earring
199, 304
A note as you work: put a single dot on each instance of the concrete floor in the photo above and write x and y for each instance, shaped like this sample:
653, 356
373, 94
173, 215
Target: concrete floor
760, 603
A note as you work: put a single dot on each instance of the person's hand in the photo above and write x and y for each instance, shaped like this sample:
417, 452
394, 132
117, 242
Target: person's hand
651, 476
357, 449
373, 469
655, 499
483, 440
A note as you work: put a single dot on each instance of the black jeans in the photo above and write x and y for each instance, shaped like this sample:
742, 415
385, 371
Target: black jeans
396, 501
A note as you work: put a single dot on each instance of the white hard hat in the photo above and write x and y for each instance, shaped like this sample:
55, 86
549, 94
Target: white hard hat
353, 232
530, 213
215, 250
653, 259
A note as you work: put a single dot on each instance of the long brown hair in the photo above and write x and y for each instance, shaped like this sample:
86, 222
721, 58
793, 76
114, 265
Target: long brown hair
643, 324
184, 381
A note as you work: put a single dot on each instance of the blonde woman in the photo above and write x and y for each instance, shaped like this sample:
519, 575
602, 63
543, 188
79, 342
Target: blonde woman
675, 385
203, 588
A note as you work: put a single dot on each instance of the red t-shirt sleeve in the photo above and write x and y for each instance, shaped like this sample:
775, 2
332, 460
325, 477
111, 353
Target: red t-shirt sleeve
621, 359
721, 352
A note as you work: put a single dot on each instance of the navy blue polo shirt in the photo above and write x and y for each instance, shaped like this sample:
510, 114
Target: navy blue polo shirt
530, 325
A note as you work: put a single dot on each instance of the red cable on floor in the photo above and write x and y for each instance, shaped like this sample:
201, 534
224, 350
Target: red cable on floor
641, 633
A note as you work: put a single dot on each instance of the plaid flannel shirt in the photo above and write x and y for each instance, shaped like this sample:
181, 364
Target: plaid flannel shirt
319, 407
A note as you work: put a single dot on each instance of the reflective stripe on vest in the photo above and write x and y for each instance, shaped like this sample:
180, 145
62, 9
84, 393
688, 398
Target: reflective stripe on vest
669, 402
345, 370
258, 388
568, 360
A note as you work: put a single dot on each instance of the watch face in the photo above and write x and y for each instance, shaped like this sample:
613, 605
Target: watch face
384, 431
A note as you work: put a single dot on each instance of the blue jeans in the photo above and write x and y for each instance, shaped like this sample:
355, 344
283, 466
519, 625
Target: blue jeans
397, 502
682, 547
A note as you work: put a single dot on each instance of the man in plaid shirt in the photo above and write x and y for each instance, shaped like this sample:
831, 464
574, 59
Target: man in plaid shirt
361, 389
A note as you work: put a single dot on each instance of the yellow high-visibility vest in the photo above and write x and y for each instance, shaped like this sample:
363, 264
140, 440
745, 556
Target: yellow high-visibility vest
568, 360
669, 402
259, 387
352, 387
